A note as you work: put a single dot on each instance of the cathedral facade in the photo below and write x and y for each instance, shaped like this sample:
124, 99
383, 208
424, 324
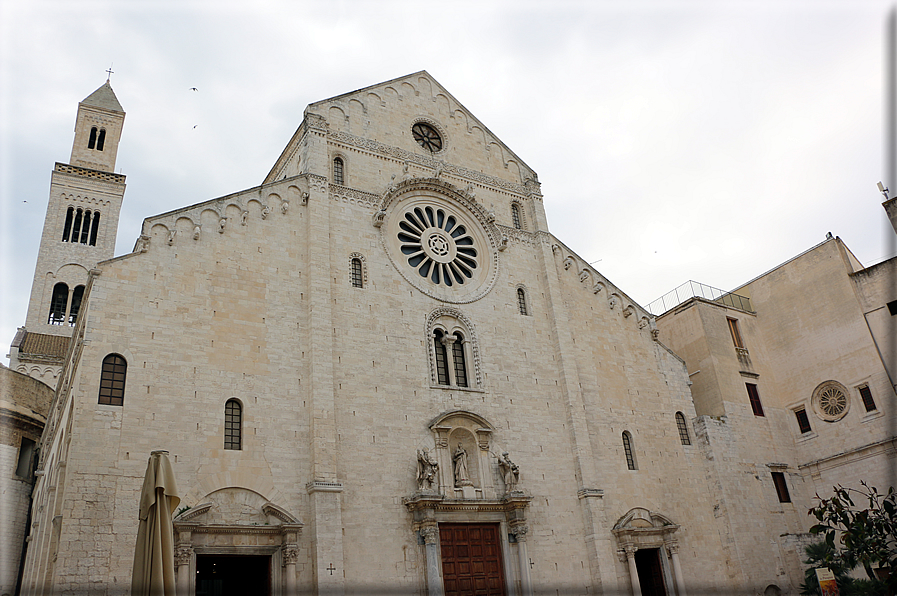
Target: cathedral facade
376, 371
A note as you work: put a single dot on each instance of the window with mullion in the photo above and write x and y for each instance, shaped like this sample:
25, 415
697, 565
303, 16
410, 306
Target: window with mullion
442, 376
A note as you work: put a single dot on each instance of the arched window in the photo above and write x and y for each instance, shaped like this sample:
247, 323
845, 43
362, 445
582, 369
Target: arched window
75, 308
459, 361
233, 425
101, 140
442, 376
76, 227
521, 302
630, 454
338, 171
515, 216
85, 228
356, 273
112, 380
92, 141
58, 304
683, 429
94, 227
67, 229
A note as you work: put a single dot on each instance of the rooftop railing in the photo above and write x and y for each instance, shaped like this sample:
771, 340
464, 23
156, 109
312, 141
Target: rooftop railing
693, 289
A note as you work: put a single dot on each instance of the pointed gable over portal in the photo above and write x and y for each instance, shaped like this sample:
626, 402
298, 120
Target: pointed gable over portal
381, 118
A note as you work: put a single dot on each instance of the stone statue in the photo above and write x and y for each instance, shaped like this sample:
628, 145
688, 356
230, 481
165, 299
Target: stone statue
426, 470
509, 471
196, 232
265, 211
439, 170
391, 187
459, 457
221, 225
171, 236
284, 206
405, 173
142, 244
243, 217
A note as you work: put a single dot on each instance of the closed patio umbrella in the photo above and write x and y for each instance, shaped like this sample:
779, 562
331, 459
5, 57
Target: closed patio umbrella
154, 554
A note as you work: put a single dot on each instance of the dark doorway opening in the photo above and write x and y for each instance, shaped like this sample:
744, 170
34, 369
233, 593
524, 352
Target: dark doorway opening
650, 572
471, 560
233, 575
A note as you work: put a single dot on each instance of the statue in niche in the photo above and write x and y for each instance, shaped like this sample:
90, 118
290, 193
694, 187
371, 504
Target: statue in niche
196, 232
426, 470
221, 225
171, 236
284, 206
243, 217
509, 471
459, 458
265, 211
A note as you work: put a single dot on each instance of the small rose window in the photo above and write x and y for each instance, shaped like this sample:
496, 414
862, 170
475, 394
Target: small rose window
830, 401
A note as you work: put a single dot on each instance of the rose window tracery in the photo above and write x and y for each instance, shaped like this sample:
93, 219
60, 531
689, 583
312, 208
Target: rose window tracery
438, 246
830, 401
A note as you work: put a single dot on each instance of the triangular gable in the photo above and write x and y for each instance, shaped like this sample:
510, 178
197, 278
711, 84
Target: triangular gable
415, 84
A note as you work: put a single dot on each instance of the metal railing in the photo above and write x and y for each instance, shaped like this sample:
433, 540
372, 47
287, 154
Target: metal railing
692, 289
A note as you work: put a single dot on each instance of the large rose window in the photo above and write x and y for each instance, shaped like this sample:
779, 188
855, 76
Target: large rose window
440, 241
438, 246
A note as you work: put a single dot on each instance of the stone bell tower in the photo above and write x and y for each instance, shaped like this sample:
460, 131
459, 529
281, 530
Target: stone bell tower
79, 231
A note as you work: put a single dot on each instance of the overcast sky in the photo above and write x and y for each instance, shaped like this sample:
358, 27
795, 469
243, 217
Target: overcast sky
673, 140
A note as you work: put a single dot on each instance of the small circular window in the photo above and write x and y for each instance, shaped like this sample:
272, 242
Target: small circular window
427, 137
830, 401
437, 245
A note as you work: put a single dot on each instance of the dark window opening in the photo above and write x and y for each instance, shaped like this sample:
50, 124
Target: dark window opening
441, 358
77, 296
26, 453
515, 216
802, 420
76, 227
892, 307
754, 396
94, 227
112, 380
868, 402
67, 229
92, 141
338, 171
357, 277
58, 303
521, 301
458, 357
627, 448
101, 140
683, 429
233, 425
85, 228
778, 479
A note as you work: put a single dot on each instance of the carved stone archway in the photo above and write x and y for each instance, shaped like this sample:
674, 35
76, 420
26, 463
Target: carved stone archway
237, 521
643, 529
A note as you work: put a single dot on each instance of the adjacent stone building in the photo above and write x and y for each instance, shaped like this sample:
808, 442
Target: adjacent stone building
379, 371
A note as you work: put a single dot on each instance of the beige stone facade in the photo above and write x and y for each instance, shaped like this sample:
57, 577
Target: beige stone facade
380, 350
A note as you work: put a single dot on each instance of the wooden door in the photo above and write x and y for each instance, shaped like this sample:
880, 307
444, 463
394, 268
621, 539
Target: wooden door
471, 560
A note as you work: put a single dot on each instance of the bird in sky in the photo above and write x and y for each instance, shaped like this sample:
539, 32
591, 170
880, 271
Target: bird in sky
193, 89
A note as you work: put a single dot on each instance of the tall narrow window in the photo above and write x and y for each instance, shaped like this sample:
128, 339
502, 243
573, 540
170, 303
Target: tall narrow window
75, 308
85, 228
460, 364
683, 429
92, 141
233, 425
803, 421
26, 454
94, 226
736, 336
627, 448
357, 274
112, 380
67, 230
442, 376
76, 227
58, 303
778, 478
515, 215
521, 301
868, 402
754, 396
101, 140
338, 170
